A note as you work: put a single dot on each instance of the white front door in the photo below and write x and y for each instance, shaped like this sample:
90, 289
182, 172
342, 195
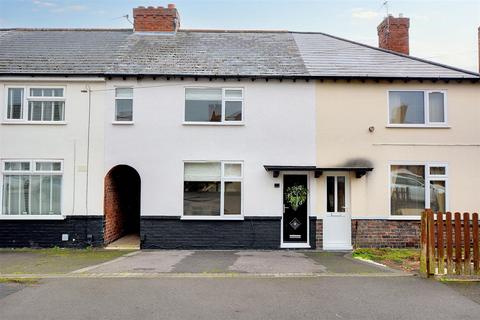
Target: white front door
337, 226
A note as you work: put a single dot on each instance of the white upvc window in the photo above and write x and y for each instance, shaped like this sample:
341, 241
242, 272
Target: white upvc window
213, 189
123, 105
31, 187
417, 108
415, 187
36, 104
214, 105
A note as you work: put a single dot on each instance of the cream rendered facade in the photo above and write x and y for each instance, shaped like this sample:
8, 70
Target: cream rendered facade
346, 111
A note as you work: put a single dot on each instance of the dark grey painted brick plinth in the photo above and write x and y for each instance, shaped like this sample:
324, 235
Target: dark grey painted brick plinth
83, 231
162, 232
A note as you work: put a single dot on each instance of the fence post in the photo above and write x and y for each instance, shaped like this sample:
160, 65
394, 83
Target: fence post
431, 242
440, 252
476, 253
466, 245
449, 236
458, 244
424, 245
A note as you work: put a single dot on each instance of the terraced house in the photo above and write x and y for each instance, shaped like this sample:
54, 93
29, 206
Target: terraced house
229, 139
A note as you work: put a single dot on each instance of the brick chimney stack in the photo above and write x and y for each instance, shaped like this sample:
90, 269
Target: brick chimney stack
158, 19
393, 34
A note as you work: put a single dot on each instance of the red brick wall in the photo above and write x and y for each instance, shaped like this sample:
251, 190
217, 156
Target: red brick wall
156, 19
121, 203
113, 214
380, 233
393, 34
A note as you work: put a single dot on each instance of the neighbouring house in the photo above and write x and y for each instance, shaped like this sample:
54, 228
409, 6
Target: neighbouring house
229, 139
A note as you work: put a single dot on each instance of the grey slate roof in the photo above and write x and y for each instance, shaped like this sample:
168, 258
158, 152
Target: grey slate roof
204, 53
325, 55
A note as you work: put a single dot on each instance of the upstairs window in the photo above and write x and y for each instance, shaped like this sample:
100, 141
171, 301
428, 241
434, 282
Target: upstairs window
46, 104
417, 108
15, 104
35, 104
32, 187
214, 105
123, 104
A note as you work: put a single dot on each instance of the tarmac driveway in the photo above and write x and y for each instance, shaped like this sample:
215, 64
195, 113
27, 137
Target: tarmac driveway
257, 262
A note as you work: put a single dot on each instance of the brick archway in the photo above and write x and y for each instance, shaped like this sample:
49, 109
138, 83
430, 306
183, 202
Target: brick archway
121, 203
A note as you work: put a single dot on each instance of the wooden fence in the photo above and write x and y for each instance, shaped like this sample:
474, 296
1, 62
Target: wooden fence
450, 245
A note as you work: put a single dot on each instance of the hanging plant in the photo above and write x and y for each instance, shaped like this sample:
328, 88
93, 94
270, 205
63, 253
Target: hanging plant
296, 196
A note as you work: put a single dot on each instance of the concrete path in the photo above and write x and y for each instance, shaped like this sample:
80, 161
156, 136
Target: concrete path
128, 242
242, 262
229, 298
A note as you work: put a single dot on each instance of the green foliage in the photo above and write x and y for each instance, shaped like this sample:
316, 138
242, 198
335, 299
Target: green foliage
25, 281
387, 254
296, 196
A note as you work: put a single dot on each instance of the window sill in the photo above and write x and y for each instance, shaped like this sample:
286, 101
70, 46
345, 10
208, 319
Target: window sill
123, 122
58, 123
190, 123
31, 217
224, 218
416, 126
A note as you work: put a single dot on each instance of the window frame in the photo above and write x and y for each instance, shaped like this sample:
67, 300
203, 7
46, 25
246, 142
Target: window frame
426, 110
32, 171
27, 98
337, 213
223, 122
428, 177
223, 179
115, 121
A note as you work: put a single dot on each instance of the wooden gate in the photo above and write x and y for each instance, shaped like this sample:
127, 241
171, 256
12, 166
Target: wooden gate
450, 244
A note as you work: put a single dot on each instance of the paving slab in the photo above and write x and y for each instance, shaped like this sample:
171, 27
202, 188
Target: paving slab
341, 262
275, 262
245, 262
52, 261
145, 261
206, 262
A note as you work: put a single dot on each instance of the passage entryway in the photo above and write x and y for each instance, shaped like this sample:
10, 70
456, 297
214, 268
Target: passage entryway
295, 211
337, 229
122, 205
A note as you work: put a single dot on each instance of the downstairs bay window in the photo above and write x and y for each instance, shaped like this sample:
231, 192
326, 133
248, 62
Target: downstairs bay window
415, 187
212, 189
31, 187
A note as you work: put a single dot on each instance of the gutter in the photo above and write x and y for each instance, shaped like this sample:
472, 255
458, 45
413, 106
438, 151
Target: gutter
104, 76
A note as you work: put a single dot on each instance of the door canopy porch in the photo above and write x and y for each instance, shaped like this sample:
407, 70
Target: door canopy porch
318, 171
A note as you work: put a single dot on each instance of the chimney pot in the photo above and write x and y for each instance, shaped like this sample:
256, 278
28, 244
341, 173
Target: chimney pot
393, 34
156, 19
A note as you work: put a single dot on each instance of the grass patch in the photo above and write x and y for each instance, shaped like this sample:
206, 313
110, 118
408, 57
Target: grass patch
53, 260
24, 281
404, 259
